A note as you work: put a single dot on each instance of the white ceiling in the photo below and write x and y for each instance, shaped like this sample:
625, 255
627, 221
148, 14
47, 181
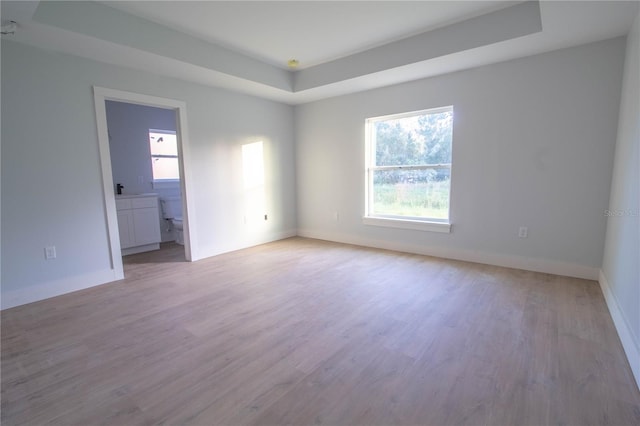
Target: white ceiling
311, 31
343, 47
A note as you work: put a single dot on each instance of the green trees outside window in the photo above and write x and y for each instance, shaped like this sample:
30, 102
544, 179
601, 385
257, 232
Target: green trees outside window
409, 165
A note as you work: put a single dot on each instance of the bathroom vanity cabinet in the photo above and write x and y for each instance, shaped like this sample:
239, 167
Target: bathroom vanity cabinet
138, 223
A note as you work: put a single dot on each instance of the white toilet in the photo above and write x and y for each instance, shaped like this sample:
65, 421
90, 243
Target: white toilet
172, 210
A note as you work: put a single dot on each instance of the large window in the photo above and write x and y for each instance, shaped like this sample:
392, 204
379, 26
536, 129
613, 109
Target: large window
408, 159
163, 145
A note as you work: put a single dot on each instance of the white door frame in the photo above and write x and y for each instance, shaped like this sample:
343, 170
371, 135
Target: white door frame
100, 95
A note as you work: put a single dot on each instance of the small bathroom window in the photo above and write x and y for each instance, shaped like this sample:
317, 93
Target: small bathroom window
163, 146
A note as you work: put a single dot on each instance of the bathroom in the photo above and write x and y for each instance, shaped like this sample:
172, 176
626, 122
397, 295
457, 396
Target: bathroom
144, 160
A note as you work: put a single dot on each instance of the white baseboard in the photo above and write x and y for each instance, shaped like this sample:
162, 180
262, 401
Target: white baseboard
56, 288
49, 289
262, 239
476, 256
629, 343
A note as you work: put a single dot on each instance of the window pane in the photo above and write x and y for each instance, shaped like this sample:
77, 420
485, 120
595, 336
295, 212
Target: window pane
163, 144
165, 168
420, 139
415, 193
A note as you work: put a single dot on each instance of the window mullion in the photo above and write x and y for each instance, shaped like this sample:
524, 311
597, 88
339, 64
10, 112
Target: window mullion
412, 167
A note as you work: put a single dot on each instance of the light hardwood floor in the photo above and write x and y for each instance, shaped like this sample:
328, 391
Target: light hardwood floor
307, 332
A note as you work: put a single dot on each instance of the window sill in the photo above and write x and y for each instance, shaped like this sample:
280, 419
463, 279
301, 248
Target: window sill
417, 225
166, 184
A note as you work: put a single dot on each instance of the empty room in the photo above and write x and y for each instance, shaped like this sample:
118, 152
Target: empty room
320, 212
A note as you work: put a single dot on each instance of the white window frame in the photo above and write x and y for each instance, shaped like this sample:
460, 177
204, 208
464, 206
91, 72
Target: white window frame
396, 221
164, 183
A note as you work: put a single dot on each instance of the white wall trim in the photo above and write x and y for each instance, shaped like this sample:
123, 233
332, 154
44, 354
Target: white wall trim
101, 95
629, 343
42, 291
476, 256
263, 239
60, 287
416, 225
107, 184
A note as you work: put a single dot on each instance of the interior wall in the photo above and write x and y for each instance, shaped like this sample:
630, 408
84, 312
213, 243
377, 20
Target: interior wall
621, 262
129, 126
51, 178
533, 145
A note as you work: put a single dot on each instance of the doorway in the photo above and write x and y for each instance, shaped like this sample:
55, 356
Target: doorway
106, 100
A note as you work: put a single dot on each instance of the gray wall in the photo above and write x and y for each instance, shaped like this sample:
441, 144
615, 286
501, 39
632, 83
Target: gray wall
621, 261
51, 179
533, 145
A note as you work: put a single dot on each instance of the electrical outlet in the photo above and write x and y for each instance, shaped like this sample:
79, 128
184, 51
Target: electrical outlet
523, 232
336, 216
50, 252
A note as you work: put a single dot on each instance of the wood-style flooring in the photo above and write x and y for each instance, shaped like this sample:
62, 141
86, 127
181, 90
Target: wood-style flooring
301, 332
